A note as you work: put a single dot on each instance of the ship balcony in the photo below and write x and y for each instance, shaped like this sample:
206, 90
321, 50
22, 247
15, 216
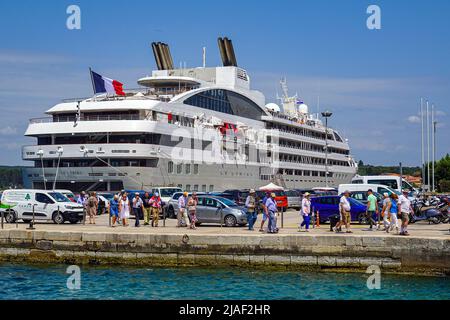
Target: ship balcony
298, 137
297, 151
312, 167
77, 151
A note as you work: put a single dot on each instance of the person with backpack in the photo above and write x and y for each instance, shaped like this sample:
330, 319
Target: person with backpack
147, 208
155, 202
92, 206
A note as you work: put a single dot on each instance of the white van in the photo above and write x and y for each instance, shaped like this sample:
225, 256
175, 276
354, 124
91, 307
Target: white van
48, 205
352, 187
392, 182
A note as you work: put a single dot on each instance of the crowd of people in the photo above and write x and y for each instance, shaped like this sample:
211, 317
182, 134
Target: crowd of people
150, 207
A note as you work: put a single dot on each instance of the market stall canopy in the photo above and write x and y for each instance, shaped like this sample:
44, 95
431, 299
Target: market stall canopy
271, 186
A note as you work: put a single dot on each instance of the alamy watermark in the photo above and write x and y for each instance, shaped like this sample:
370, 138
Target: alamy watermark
373, 22
374, 280
74, 280
73, 21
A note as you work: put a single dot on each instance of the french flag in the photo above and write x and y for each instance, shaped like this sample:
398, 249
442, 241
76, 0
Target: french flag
103, 84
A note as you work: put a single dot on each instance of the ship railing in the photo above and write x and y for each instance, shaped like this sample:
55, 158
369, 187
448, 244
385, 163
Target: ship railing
86, 118
153, 93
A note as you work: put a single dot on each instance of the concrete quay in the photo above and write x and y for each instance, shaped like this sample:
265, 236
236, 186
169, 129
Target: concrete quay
427, 251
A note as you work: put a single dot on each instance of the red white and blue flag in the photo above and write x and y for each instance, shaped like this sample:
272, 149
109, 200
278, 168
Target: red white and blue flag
103, 84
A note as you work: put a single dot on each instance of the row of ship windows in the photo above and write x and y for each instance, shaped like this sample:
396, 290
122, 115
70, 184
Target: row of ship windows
311, 173
301, 131
310, 147
311, 160
196, 187
178, 168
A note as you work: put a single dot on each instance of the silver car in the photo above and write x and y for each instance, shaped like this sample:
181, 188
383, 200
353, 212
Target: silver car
219, 210
172, 205
293, 199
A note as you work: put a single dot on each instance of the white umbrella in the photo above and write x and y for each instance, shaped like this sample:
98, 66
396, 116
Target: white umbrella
271, 186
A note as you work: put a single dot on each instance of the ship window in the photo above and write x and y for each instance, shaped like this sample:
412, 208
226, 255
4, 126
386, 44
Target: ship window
195, 168
195, 187
170, 167
188, 187
226, 101
188, 169
179, 168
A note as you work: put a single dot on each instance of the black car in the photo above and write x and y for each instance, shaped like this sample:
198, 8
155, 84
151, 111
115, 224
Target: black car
238, 196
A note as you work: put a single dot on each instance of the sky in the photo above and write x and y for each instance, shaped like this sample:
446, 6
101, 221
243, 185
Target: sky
372, 80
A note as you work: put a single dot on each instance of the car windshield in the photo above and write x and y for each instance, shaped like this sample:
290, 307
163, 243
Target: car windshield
228, 202
168, 192
59, 197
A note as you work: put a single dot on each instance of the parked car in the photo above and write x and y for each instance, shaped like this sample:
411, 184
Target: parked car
280, 198
239, 196
212, 209
329, 205
69, 194
361, 196
47, 205
293, 198
221, 195
165, 192
172, 204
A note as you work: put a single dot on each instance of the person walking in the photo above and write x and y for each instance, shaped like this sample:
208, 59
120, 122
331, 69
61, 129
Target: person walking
92, 206
182, 214
385, 211
82, 198
137, 208
393, 212
265, 212
372, 208
146, 208
250, 205
114, 210
405, 210
124, 209
305, 212
155, 202
272, 209
192, 208
344, 212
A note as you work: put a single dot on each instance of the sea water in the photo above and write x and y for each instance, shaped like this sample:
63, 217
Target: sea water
47, 282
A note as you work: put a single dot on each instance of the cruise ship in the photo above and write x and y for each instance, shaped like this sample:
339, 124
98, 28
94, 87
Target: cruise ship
201, 128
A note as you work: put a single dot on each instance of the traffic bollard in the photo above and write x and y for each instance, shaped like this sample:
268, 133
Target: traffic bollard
2, 218
84, 215
31, 226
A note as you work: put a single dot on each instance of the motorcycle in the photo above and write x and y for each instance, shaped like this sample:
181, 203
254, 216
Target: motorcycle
422, 212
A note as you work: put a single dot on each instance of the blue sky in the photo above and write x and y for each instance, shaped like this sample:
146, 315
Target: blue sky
371, 79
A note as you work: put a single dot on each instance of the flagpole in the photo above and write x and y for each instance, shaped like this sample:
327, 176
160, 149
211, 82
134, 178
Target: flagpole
428, 148
92, 80
422, 143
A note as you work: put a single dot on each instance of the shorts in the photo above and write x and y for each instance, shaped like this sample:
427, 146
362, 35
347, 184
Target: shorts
405, 217
114, 213
264, 217
345, 217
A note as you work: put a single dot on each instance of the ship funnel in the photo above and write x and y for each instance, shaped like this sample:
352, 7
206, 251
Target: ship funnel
227, 52
162, 55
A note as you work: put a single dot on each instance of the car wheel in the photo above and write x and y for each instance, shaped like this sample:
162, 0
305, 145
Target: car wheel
57, 217
362, 219
230, 221
10, 216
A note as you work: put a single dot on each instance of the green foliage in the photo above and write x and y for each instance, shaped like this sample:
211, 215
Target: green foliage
11, 177
442, 173
369, 170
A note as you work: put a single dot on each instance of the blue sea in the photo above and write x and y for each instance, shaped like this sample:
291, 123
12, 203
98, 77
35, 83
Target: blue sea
49, 282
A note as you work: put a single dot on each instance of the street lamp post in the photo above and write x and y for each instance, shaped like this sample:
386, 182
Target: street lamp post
60, 152
326, 115
40, 153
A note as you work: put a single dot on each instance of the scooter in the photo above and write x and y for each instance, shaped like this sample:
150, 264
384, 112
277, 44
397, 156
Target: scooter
425, 213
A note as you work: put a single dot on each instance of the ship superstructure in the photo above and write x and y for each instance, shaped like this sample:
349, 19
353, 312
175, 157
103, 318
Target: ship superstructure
199, 128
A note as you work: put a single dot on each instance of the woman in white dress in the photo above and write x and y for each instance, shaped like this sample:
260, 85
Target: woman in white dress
124, 209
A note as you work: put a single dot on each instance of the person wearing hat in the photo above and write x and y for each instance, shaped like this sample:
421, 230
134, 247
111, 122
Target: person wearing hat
344, 212
146, 208
405, 210
305, 211
265, 213
137, 208
271, 205
385, 211
82, 198
250, 204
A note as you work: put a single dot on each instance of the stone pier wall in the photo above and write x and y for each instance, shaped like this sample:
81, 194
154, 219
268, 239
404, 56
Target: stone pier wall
398, 254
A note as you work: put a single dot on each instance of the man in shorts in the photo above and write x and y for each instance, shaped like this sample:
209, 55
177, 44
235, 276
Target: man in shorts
405, 210
344, 211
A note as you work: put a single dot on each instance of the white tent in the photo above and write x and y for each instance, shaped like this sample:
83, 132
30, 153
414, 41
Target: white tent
271, 186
